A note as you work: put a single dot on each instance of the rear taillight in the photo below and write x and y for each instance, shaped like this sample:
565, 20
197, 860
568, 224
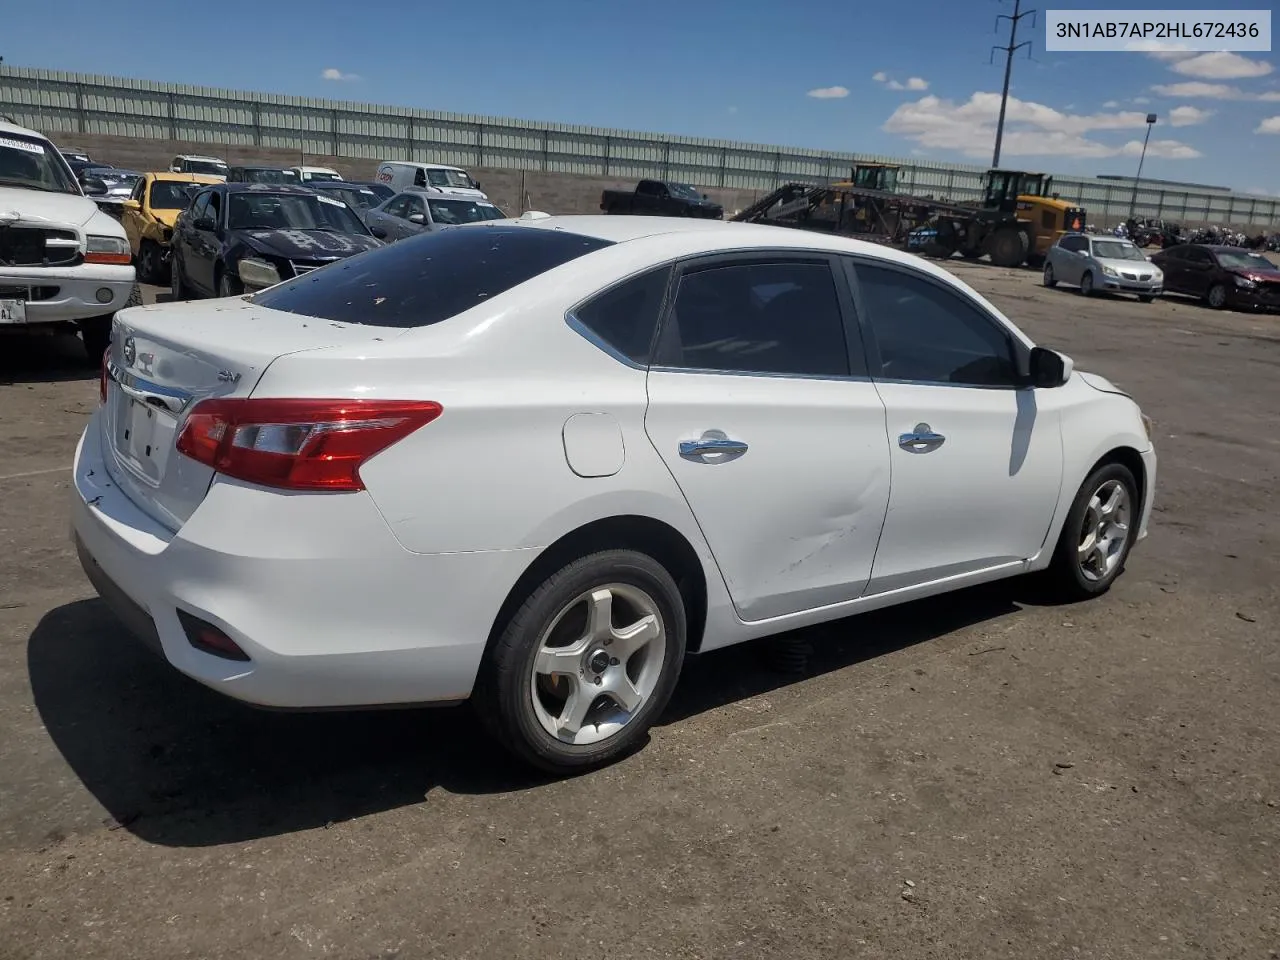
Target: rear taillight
298, 444
103, 376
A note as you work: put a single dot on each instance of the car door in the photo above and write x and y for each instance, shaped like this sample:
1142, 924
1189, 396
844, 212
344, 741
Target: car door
393, 214
205, 245
1198, 271
416, 220
760, 407
182, 241
1073, 259
976, 457
1170, 263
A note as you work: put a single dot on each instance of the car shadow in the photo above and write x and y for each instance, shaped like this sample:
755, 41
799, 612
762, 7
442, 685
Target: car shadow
179, 765
43, 358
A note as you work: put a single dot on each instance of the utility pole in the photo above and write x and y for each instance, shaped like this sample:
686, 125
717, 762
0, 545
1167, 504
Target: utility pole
1133, 203
1009, 50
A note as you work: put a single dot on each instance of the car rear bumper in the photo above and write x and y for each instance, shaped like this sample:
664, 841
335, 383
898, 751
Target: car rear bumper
77, 290
329, 608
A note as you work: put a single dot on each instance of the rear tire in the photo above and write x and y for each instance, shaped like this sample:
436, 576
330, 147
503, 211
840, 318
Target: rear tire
553, 668
1096, 536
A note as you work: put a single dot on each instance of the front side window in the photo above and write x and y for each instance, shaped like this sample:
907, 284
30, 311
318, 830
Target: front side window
757, 317
626, 316
929, 334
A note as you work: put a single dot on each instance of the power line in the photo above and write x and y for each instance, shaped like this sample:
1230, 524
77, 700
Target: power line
1009, 50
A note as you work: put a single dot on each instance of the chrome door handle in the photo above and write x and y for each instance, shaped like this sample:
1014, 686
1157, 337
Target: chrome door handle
921, 440
712, 443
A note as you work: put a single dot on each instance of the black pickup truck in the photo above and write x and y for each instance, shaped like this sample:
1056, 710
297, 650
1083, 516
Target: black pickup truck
658, 199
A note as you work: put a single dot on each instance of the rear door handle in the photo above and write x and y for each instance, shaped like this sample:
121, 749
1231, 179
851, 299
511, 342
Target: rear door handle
713, 444
921, 440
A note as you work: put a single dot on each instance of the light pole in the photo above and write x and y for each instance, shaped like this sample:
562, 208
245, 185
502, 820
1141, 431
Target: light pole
1151, 122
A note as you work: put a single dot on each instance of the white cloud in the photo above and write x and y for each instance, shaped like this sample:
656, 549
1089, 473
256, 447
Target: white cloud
1140, 101
1221, 65
913, 83
1269, 125
1188, 116
333, 73
1169, 149
1032, 129
1212, 91
828, 93
1110, 105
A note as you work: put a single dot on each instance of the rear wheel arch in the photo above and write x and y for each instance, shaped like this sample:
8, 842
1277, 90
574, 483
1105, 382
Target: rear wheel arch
657, 539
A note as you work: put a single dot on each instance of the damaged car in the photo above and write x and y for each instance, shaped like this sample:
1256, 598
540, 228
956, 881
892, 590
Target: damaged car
149, 216
242, 237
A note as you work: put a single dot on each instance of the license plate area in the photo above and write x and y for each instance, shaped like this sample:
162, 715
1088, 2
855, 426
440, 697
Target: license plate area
144, 436
13, 311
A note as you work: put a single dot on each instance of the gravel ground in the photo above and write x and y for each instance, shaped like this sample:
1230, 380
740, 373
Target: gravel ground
974, 776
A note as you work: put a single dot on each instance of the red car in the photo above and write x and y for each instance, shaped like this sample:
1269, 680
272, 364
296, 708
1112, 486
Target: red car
1222, 276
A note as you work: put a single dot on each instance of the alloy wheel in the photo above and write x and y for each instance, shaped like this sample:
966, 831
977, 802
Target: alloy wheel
598, 663
1104, 531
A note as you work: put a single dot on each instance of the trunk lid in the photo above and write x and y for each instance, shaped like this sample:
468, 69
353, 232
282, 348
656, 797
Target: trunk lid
165, 359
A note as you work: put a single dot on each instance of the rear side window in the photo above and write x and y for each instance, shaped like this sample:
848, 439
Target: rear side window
626, 316
428, 278
757, 317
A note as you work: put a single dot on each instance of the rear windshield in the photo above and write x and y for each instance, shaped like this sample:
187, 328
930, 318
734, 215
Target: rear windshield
428, 278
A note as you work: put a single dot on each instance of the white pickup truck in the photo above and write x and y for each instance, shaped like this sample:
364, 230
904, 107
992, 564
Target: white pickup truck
63, 262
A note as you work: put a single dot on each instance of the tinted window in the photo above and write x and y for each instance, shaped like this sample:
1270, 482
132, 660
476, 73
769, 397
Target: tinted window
931, 334
1196, 255
428, 278
781, 317
626, 316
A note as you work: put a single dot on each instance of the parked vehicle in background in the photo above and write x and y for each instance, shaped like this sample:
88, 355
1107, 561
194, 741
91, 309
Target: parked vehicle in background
261, 174
318, 174
77, 159
245, 236
117, 187
661, 381
416, 210
63, 262
1100, 263
360, 197
661, 199
1221, 276
149, 216
206, 166
436, 177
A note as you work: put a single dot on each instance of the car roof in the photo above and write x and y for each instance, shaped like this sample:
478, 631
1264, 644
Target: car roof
289, 188
419, 163
197, 156
437, 195
7, 127
198, 178
260, 166
711, 236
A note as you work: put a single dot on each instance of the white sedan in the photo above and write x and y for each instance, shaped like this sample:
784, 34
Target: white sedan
537, 463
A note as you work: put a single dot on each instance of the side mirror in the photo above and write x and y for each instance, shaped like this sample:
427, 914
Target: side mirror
132, 205
94, 187
1049, 368
205, 223
418, 218
379, 232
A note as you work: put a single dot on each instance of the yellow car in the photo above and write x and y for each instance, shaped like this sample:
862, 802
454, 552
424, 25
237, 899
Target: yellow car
148, 217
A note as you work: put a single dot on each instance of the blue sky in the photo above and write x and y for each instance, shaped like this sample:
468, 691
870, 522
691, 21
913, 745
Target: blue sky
907, 79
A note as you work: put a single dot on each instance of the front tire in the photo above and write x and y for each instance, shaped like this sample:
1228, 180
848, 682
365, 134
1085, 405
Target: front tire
229, 286
586, 663
1086, 284
149, 262
1217, 297
178, 289
1097, 535
1049, 279
1145, 298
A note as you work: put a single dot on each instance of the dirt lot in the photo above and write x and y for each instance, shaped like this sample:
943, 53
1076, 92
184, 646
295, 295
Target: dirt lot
969, 777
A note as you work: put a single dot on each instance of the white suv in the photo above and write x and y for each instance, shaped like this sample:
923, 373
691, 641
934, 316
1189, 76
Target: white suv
62, 260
